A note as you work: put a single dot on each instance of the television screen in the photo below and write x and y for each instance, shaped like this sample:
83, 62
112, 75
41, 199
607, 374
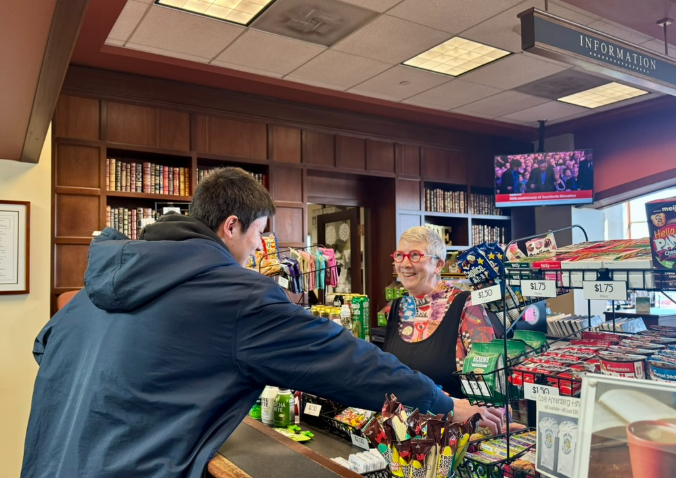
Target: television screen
540, 179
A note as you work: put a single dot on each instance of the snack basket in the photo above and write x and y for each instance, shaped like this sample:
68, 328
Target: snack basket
341, 429
470, 468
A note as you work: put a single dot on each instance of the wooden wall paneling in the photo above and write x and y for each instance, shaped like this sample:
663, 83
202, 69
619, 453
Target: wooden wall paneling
70, 265
284, 144
408, 194
174, 130
380, 156
444, 165
77, 216
480, 170
318, 148
341, 187
77, 117
237, 138
288, 225
131, 124
286, 184
350, 152
77, 166
407, 160
199, 134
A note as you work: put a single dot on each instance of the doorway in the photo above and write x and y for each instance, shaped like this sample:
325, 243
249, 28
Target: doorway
343, 229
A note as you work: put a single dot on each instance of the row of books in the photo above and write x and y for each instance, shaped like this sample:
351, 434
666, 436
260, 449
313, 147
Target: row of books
130, 221
483, 233
204, 172
566, 325
438, 200
146, 177
484, 204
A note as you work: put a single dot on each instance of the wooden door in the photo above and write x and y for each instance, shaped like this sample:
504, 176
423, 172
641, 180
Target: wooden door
340, 232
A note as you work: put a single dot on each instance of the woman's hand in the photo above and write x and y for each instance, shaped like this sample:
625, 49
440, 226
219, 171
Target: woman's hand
492, 418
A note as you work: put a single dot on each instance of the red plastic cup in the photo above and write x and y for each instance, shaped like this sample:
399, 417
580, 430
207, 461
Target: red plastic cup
652, 449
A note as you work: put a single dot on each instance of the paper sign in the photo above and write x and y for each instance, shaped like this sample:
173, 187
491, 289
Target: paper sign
361, 442
284, 282
558, 435
488, 294
538, 288
531, 391
313, 409
605, 290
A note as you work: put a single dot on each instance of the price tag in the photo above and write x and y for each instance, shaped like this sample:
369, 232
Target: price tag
489, 294
361, 442
475, 388
284, 282
538, 288
313, 409
605, 290
531, 391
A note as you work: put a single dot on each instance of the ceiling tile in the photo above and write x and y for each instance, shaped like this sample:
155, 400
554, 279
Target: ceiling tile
452, 95
185, 33
169, 53
400, 82
325, 23
319, 84
340, 69
273, 53
450, 16
129, 17
146, 1
501, 104
110, 41
504, 30
627, 34
550, 111
375, 5
257, 71
512, 71
658, 46
391, 40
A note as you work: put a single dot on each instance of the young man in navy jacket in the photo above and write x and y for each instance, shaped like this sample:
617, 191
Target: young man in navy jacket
149, 369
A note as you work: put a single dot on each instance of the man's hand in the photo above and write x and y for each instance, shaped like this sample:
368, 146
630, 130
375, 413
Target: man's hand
493, 418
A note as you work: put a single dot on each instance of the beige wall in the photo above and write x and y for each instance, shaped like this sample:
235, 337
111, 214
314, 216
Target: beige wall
22, 316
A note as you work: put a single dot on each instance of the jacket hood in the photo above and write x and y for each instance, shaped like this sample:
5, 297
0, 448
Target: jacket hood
124, 275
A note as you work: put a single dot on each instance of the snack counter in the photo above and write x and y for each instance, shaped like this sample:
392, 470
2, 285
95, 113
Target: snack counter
257, 451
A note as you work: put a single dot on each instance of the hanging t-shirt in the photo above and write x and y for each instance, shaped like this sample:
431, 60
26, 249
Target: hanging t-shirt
547, 432
567, 442
420, 316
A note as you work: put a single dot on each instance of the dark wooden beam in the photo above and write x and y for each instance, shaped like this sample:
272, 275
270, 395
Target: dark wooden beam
66, 23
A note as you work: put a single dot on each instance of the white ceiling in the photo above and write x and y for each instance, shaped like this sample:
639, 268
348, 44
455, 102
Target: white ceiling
368, 61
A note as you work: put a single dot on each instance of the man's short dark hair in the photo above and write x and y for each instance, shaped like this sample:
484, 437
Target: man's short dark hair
515, 163
229, 192
542, 161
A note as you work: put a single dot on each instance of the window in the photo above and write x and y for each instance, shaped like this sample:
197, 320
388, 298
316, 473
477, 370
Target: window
637, 224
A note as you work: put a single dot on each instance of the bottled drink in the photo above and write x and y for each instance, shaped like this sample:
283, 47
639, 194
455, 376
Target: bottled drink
284, 408
346, 316
268, 405
255, 411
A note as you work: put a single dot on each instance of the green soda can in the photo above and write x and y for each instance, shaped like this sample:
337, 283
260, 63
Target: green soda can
361, 327
366, 317
284, 408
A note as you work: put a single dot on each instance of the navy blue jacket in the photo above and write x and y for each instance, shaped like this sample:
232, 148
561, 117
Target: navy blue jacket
147, 371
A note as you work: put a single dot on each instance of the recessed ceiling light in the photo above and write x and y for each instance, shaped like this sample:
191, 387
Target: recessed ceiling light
603, 95
456, 56
241, 12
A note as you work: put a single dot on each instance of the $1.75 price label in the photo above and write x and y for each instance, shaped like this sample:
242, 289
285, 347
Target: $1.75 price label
488, 294
531, 391
605, 290
538, 288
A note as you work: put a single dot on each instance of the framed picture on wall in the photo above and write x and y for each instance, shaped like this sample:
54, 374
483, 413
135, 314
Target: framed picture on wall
14, 252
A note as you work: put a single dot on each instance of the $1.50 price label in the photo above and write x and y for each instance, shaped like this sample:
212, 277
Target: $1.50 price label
312, 409
538, 288
488, 294
605, 290
361, 442
531, 391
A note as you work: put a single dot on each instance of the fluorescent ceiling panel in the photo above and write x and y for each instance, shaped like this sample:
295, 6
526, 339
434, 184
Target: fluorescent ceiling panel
241, 12
456, 56
603, 95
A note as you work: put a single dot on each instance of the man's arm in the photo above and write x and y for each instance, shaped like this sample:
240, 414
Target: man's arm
279, 343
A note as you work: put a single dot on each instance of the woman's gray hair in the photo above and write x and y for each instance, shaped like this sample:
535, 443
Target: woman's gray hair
434, 244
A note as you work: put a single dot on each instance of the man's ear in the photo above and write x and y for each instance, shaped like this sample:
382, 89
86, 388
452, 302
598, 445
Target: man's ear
227, 228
